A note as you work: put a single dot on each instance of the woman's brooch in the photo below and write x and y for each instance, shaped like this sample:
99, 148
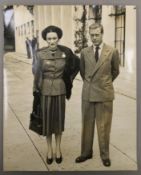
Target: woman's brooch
63, 55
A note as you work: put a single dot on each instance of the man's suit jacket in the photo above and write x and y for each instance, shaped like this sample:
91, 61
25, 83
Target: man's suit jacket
98, 76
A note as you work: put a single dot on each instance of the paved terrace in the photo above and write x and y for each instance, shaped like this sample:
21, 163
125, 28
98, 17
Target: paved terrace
26, 151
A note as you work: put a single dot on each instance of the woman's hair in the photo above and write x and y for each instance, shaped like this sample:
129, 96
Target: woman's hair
95, 26
52, 29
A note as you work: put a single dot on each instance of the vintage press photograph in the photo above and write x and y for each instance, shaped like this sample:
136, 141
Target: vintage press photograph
69, 88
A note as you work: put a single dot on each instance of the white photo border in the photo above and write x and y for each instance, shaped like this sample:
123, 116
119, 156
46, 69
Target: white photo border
137, 3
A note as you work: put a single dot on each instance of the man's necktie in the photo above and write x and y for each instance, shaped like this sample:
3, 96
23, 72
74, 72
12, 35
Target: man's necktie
96, 53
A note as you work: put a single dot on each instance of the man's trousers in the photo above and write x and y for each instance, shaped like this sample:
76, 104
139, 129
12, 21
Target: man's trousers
101, 112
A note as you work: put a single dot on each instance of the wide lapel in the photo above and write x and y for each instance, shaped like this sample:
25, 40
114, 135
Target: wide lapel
90, 55
104, 55
45, 54
60, 54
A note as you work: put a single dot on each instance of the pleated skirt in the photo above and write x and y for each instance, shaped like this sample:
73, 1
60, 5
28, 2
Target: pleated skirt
53, 113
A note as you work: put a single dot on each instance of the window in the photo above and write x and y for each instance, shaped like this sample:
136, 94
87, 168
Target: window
120, 32
32, 26
95, 12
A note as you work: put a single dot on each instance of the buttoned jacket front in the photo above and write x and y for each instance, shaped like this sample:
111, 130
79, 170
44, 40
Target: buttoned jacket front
54, 73
50, 68
98, 76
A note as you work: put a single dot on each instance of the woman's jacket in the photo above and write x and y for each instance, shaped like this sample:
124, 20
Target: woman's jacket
70, 70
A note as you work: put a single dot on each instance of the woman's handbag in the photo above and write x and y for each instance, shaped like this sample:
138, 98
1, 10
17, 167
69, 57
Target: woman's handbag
35, 123
35, 117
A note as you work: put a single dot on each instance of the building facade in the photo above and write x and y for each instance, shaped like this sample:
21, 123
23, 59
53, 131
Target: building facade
119, 27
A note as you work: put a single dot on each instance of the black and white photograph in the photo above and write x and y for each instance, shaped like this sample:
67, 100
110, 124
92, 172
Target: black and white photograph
69, 75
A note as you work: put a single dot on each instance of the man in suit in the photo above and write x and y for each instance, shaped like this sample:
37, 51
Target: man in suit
99, 66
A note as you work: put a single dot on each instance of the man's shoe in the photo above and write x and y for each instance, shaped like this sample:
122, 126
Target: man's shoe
82, 158
106, 162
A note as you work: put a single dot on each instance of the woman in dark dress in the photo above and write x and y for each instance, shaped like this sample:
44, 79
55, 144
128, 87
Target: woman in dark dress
56, 67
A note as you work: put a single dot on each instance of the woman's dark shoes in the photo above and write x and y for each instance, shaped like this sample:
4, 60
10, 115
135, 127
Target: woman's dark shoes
82, 158
59, 160
49, 160
106, 162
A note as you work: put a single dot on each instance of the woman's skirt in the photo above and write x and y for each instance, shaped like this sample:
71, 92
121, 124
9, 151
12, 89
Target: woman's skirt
53, 112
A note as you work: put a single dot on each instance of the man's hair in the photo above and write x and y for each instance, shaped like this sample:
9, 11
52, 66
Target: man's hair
95, 26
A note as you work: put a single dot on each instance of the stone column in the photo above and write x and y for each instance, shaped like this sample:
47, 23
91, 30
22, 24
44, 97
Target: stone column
130, 39
67, 25
56, 15
48, 15
109, 25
